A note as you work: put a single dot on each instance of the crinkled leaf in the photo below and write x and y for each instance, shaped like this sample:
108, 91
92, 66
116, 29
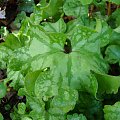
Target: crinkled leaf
74, 8
37, 115
111, 112
36, 104
21, 108
107, 83
4, 53
76, 116
60, 117
113, 54
18, 20
63, 102
16, 77
45, 86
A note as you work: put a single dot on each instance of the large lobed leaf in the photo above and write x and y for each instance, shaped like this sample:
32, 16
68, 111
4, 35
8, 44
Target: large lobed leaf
43, 49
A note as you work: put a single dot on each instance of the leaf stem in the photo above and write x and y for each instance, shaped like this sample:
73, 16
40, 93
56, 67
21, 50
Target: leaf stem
109, 9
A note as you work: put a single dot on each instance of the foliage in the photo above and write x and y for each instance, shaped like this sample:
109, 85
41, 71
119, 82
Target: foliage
2, 90
112, 111
62, 68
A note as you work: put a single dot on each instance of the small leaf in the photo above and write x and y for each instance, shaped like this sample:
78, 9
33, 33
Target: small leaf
21, 108
76, 116
3, 89
112, 111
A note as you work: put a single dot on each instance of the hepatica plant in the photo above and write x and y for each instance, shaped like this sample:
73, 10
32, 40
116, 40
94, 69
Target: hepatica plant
51, 64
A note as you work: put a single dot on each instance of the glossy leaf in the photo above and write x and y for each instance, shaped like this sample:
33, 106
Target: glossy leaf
107, 83
3, 89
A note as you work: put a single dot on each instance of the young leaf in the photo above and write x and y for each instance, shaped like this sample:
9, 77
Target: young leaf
75, 116
112, 111
21, 108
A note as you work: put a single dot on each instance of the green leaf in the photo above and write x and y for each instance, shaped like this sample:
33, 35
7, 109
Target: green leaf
26, 118
113, 54
75, 116
63, 102
21, 108
112, 111
91, 107
47, 49
75, 8
44, 87
44, 10
59, 26
12, 42
18, 20
85, 2
4, 32
1, 117
53, 117
107, 83
30, 80
3, 89
26, 5
114, 19
16, 77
